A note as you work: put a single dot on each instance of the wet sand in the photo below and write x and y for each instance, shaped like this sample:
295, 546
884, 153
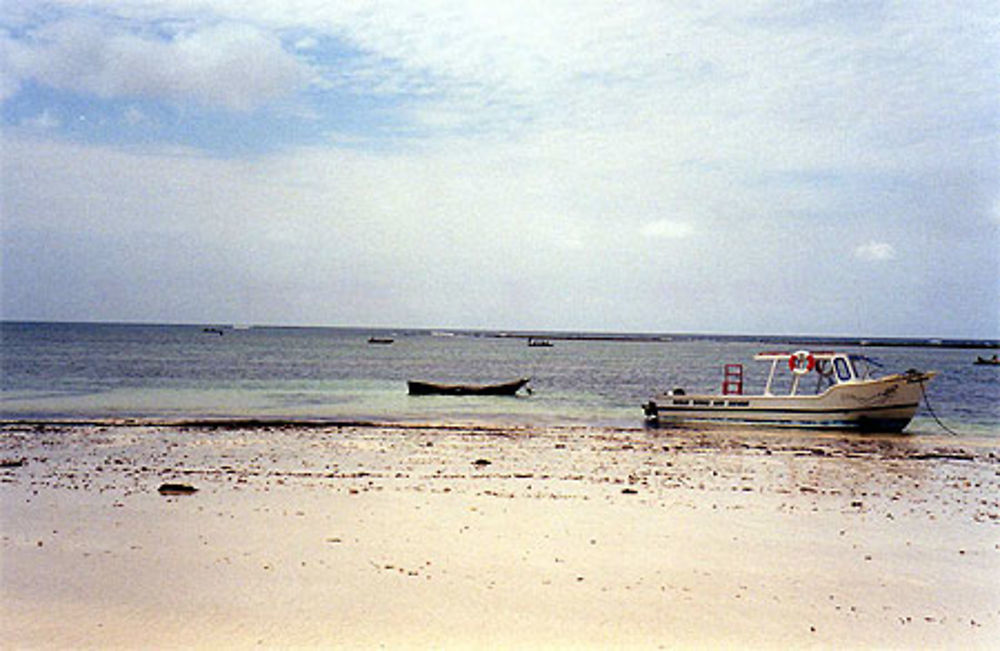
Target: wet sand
388, 536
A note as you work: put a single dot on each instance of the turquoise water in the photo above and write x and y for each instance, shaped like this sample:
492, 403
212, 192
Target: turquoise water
84, 371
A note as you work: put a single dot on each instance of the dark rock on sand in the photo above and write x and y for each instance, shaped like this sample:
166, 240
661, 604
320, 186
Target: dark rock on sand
177, 489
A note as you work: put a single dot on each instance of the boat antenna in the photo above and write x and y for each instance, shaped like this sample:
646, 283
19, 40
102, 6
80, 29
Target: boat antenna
931, 410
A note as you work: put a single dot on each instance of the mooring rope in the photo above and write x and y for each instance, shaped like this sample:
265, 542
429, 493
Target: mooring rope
931, 410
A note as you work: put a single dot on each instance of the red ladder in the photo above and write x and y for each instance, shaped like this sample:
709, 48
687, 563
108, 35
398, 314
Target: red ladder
732, 383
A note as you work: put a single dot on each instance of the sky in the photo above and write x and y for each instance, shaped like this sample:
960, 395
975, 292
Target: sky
744, 167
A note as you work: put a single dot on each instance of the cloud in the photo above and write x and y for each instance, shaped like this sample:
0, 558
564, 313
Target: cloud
755, 65
134, 116
42, 122
875, 251
547, 150
667, 229
306, 43
758, 85
229, 66
456, 236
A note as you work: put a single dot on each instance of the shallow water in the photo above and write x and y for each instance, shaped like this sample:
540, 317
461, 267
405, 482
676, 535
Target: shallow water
56, 370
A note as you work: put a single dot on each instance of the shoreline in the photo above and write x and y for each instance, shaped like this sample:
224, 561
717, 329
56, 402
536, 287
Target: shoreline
980, 436
364, 535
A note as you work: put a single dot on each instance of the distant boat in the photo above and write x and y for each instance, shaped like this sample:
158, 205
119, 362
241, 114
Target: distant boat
988, 361
213, 331
418, 388
380, 340
539, 343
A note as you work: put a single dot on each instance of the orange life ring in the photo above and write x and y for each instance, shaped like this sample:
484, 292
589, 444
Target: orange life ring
801, 362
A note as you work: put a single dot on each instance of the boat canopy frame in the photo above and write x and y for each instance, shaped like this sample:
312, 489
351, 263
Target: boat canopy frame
831, 366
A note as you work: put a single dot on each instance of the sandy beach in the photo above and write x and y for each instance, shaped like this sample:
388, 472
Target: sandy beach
392, 536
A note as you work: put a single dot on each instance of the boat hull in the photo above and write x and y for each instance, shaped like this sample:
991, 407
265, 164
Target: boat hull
883, 405
417, 388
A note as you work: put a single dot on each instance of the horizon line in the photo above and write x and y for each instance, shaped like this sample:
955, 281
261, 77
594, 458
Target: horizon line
637, 335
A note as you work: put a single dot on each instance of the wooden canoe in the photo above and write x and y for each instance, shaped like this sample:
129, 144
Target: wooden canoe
430, 388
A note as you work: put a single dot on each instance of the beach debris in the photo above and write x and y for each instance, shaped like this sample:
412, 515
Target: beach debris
481, 462
943, 455
629, 491
13, 463
177, 489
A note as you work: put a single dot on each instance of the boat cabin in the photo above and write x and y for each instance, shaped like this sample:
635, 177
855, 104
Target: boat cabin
826, 367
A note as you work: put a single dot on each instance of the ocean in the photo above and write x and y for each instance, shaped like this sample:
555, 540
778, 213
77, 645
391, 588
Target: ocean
68, 371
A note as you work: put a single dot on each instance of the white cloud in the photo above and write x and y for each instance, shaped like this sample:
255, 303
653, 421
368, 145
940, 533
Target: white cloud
226, 65
306, 43
760, 85
12, 54
464, 236
42, 122
667, 229
588, 62
563, 137
875, 251
135, 116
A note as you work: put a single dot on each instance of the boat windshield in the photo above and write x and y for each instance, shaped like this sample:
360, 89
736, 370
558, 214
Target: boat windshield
863, 367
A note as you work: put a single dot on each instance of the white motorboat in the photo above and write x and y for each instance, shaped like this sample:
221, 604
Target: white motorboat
826, 389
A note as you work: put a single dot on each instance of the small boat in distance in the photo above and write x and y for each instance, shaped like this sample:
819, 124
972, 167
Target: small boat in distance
539, 343
418, 388
846, 395
987, 361
381, 340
